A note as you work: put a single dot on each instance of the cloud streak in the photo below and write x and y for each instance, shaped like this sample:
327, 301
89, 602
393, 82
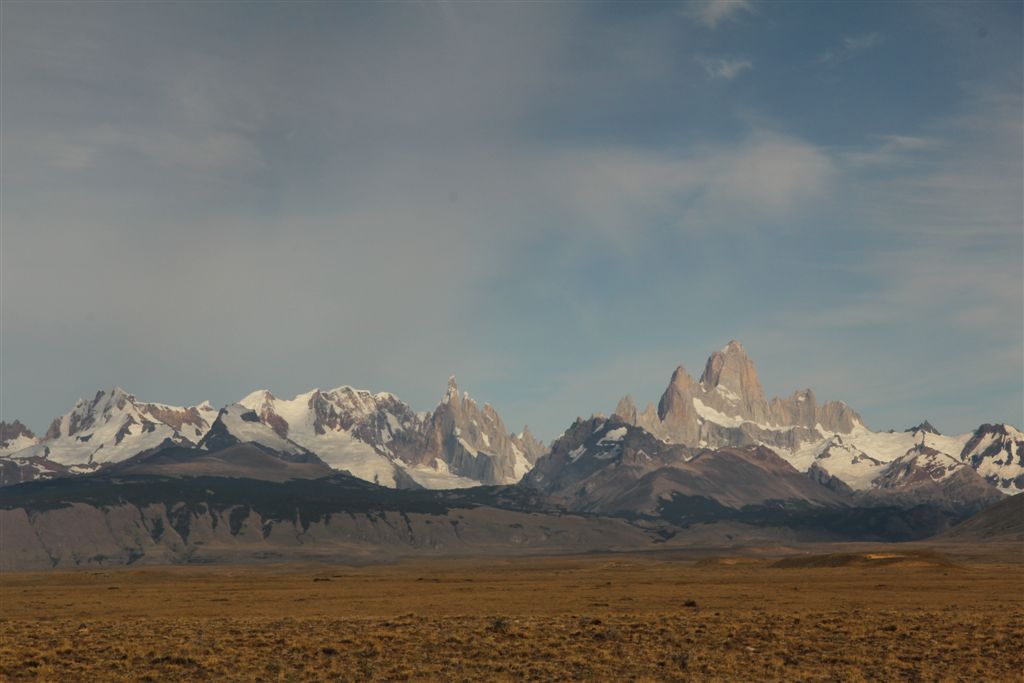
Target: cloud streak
722, 68
735, 187
712, 13
850, 47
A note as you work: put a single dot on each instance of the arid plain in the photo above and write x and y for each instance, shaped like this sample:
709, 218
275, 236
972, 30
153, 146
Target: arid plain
852, 613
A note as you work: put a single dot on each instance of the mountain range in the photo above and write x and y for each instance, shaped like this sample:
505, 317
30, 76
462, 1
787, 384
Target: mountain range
379, 438
375, 437
727, 407
714, 460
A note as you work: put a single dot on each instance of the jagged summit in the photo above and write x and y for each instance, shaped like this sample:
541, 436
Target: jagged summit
682, 378
727, 407
12, 430
451, 394
14, 436
626, 409
258, 396
114, 425
731, 369
734, 346
731, 384
925, 426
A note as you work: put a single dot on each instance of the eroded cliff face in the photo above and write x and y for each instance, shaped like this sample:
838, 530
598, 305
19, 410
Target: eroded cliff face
81, 535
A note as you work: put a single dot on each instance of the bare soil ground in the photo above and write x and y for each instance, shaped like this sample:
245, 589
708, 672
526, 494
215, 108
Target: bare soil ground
848, 614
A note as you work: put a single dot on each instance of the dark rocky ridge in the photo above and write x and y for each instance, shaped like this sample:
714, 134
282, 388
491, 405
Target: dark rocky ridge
926, 427
9, 431
1002, 522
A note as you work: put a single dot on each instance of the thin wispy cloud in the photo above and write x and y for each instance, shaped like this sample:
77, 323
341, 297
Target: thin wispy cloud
711, 13
850, 47
892, 149
732, 187
724, 68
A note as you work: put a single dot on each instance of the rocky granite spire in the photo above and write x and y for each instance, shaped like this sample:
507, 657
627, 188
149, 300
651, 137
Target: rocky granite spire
731, 386
676, 409
473, 441
836, 416
531, 447
799, 409
626, 410
731, 368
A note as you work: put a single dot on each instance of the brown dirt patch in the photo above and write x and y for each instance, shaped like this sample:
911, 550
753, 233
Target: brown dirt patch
909, 558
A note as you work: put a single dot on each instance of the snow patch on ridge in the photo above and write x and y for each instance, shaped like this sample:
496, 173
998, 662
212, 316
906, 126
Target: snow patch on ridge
614, 435
438, 477
711, 415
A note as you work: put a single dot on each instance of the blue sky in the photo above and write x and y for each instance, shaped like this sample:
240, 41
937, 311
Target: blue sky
558, 203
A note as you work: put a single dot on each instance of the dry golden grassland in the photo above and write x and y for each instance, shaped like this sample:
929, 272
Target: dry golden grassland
856, 616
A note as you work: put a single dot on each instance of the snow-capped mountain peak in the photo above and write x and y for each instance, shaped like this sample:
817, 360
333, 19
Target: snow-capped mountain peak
237, 423
996, 451
113, 426
378, 437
